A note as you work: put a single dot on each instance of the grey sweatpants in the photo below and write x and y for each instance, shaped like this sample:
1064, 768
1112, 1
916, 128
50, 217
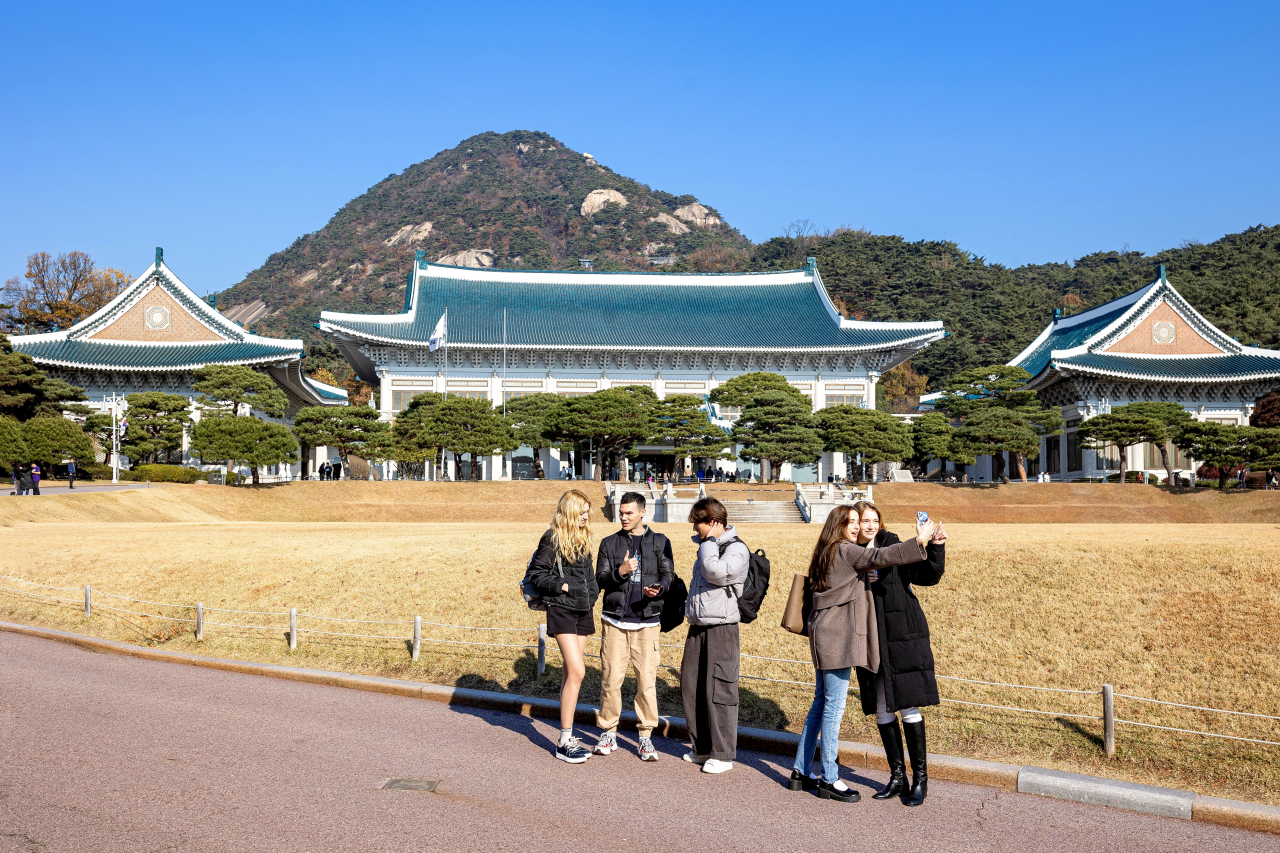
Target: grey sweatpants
709, 685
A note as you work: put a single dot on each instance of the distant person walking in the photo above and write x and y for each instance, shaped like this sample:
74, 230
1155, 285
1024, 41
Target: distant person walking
709, 671
634, 570
563, 573
35, 478
905, 679
336, 470
71, 474
842, 635
24, 479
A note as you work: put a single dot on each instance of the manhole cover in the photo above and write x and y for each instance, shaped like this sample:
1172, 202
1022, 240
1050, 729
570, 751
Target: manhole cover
411, 785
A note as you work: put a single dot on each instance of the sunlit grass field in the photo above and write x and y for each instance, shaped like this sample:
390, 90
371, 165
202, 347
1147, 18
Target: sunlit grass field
1180, 612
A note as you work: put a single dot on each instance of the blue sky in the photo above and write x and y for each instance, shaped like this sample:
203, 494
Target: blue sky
1024, 132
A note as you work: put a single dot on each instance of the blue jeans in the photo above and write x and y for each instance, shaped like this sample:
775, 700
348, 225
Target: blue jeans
825, 714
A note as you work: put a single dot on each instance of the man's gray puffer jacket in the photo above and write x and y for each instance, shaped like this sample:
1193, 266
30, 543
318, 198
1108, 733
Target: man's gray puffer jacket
717, 581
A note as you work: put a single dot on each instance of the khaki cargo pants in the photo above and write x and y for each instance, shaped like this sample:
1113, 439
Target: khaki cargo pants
640, 649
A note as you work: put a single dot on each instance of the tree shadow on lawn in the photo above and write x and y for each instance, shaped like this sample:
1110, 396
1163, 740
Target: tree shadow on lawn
753, 709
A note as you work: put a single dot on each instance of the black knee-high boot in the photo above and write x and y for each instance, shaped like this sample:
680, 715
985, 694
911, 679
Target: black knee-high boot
919, 766
891, 736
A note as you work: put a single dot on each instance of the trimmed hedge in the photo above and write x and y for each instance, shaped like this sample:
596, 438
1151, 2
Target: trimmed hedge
162, 474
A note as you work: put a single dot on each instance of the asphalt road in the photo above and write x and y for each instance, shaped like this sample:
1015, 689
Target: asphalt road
100, 752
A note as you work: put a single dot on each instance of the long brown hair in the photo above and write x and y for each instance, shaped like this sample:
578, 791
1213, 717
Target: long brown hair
835, 531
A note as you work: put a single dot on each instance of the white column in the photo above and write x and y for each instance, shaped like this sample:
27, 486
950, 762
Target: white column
384, 395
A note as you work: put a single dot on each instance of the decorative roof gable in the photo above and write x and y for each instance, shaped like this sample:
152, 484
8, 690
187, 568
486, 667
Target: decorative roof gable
1151, 334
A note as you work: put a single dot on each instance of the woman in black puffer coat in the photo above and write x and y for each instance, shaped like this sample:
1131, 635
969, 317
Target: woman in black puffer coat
905, 681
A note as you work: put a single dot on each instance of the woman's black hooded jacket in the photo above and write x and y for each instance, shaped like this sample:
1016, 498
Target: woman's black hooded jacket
580, 575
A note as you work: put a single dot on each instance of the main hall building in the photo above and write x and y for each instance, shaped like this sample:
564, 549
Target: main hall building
572, 333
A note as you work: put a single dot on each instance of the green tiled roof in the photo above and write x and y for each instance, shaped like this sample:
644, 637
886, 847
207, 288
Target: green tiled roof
656, 310
1071, 332
1209, 368
101, 354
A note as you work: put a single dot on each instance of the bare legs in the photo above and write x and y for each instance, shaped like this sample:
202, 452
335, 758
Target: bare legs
571, 648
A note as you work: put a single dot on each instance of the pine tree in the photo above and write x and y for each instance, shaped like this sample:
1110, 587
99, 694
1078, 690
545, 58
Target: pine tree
13, 449
250, 441
236, 385
1124, 428
157, 422
528, 417
776, 427
345, 428
52, 439
682, 422
871, 435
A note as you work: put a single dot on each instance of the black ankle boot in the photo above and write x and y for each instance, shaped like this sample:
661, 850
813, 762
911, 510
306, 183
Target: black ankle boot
801, 782
919, 765
891, 737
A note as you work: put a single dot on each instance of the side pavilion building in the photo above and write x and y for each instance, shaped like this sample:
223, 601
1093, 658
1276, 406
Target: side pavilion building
153, 335
572, 333
1150, 345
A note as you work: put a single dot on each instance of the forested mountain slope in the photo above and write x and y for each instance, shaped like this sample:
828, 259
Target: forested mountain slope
517, 200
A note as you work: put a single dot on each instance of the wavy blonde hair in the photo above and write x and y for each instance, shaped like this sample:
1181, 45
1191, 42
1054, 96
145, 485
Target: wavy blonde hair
570, 540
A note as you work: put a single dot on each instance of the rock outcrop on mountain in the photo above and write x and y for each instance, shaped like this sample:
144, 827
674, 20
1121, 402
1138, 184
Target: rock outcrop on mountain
514, 200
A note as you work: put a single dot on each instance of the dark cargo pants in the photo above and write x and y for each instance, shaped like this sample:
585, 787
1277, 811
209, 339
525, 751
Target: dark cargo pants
709, 686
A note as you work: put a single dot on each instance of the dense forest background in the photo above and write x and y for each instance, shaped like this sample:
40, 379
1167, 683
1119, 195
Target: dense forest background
516, 200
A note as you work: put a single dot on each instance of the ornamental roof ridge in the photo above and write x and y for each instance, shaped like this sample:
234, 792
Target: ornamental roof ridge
482, 273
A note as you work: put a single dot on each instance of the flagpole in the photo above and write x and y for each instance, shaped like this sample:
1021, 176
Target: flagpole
504, 362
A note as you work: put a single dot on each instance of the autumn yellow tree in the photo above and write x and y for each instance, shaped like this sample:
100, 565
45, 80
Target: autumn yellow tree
56, 293
325, 375
899, 390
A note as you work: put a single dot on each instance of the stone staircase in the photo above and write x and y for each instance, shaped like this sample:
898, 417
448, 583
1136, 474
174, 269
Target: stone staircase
763, 512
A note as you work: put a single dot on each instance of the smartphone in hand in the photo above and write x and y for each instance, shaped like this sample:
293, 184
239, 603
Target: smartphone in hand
921, 516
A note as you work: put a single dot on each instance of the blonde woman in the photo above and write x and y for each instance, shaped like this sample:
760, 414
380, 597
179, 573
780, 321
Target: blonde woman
564, 573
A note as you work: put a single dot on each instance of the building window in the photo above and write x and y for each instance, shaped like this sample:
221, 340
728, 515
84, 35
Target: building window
574, 393
400, 399
1108, 457
516, 395
1075, 459
470, 395
1033, 466
730, 413
846, 400
1053, 454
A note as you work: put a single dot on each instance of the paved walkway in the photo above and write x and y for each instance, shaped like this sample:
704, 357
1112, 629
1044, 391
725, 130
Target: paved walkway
109, 753
59, 487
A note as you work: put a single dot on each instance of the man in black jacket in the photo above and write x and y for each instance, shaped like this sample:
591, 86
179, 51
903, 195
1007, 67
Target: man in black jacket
634, 570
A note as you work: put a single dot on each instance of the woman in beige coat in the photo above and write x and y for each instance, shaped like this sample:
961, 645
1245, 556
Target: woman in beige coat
842, 634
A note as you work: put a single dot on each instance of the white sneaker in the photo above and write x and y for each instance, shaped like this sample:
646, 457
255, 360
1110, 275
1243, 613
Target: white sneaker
695, 758
608, 743
713, 765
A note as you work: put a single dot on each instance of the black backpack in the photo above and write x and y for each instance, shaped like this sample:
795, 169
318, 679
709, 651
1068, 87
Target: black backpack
755, 587
673, 603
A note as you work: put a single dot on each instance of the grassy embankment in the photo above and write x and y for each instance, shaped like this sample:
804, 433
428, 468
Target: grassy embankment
1181, 612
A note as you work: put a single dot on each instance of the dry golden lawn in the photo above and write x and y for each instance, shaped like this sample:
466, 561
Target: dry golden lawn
356, 500
1185, 613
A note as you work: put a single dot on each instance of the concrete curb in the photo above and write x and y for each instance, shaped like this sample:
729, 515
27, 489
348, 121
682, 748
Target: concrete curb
1094, 790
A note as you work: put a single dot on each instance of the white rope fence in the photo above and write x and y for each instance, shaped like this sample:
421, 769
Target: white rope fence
292, 631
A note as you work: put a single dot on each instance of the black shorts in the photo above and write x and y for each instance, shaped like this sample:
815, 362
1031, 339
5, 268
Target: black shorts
561, 621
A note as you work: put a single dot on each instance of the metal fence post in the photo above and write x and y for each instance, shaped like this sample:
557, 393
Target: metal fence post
417, 636
88, 602
199, 621
1108, 721
542, 649
293, 628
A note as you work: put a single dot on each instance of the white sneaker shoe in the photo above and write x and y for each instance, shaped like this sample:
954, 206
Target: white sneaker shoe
608, 743
695, 758
713, 765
